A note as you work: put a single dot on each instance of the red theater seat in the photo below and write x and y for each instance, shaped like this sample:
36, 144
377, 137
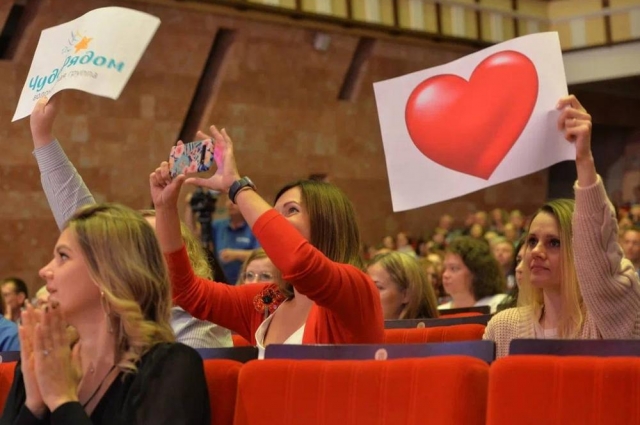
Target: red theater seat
239, 341
439, 390
6, 380
222, 381
534, 390
436, 334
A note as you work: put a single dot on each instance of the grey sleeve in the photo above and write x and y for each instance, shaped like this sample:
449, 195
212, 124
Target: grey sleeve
63, 186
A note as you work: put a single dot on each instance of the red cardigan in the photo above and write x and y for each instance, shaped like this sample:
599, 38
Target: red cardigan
346, 306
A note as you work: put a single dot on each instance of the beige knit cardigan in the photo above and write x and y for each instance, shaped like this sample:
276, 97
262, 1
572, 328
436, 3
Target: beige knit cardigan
608, 281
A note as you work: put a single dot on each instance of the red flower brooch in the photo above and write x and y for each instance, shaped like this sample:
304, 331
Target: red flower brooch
268, 300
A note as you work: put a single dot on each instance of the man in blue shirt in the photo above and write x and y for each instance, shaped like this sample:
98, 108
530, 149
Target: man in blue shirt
9, 340
233, 242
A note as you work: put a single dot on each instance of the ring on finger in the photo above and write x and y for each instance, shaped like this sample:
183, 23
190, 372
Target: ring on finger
45, 352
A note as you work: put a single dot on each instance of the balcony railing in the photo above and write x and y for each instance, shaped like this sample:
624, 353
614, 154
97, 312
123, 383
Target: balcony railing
580, 23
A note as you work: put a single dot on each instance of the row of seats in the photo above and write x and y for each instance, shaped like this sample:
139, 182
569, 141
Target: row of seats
446, 389
449, 390
458, 332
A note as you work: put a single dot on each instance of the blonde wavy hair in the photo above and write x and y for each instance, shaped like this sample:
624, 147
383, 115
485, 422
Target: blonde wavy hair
125, 261
406, 272
572, 314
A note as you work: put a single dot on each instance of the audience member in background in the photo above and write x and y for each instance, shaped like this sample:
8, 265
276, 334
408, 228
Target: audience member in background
517, 219
445, 222
66, 192
518, 272
490, 236
438, 240
631, 246
405, 290
388, 243
577, 283
108, 280
15, 295
499, 218
476, 231
511, 233
624, 224
469, 221
8, 332
481, 218
504, 253
258, 268
433, 270
233, 241
312, 237
403, 244
472, 277
634, 214
42, 298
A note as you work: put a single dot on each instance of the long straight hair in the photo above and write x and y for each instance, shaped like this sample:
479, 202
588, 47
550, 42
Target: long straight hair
572, 314
332, 221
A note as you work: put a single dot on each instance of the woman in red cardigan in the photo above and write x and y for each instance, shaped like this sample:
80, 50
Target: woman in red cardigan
312, 237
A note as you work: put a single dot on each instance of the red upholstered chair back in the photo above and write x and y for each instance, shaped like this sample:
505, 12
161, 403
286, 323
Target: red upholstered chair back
222, 381
448, 390
469, 314
527, 390
6, 380
239, 341
436, 334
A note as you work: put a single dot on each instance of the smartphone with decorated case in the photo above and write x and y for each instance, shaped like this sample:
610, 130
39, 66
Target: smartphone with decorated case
190, 158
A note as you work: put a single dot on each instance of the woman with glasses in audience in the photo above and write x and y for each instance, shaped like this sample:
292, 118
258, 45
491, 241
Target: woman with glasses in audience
312, 237
576, 283
108, 281
258, 268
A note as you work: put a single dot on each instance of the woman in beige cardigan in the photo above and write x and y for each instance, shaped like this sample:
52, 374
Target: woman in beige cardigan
577, 284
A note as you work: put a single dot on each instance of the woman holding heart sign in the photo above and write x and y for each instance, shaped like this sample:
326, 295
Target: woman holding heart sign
577, 283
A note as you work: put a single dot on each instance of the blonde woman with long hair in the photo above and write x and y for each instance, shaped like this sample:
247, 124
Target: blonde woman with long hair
66, 192
577, 284
108, 280
405, 290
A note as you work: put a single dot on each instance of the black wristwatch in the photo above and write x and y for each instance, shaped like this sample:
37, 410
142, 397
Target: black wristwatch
238, 185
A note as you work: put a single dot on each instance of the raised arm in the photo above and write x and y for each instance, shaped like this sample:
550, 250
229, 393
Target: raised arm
342, 288
346, 291
63, 186
227, 306
608, 282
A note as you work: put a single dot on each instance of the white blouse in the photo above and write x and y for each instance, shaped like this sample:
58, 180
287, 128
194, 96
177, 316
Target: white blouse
261, 332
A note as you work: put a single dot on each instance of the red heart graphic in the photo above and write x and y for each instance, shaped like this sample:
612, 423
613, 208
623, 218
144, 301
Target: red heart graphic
471, 126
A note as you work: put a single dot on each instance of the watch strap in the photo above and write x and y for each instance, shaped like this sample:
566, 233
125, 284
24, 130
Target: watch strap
238, 185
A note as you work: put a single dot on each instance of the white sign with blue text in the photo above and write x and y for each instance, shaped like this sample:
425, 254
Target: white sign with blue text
95, 53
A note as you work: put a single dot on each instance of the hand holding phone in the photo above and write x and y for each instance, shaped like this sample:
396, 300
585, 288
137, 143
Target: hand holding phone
193, 157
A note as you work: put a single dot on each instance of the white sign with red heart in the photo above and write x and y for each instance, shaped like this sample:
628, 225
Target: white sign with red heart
478, 121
